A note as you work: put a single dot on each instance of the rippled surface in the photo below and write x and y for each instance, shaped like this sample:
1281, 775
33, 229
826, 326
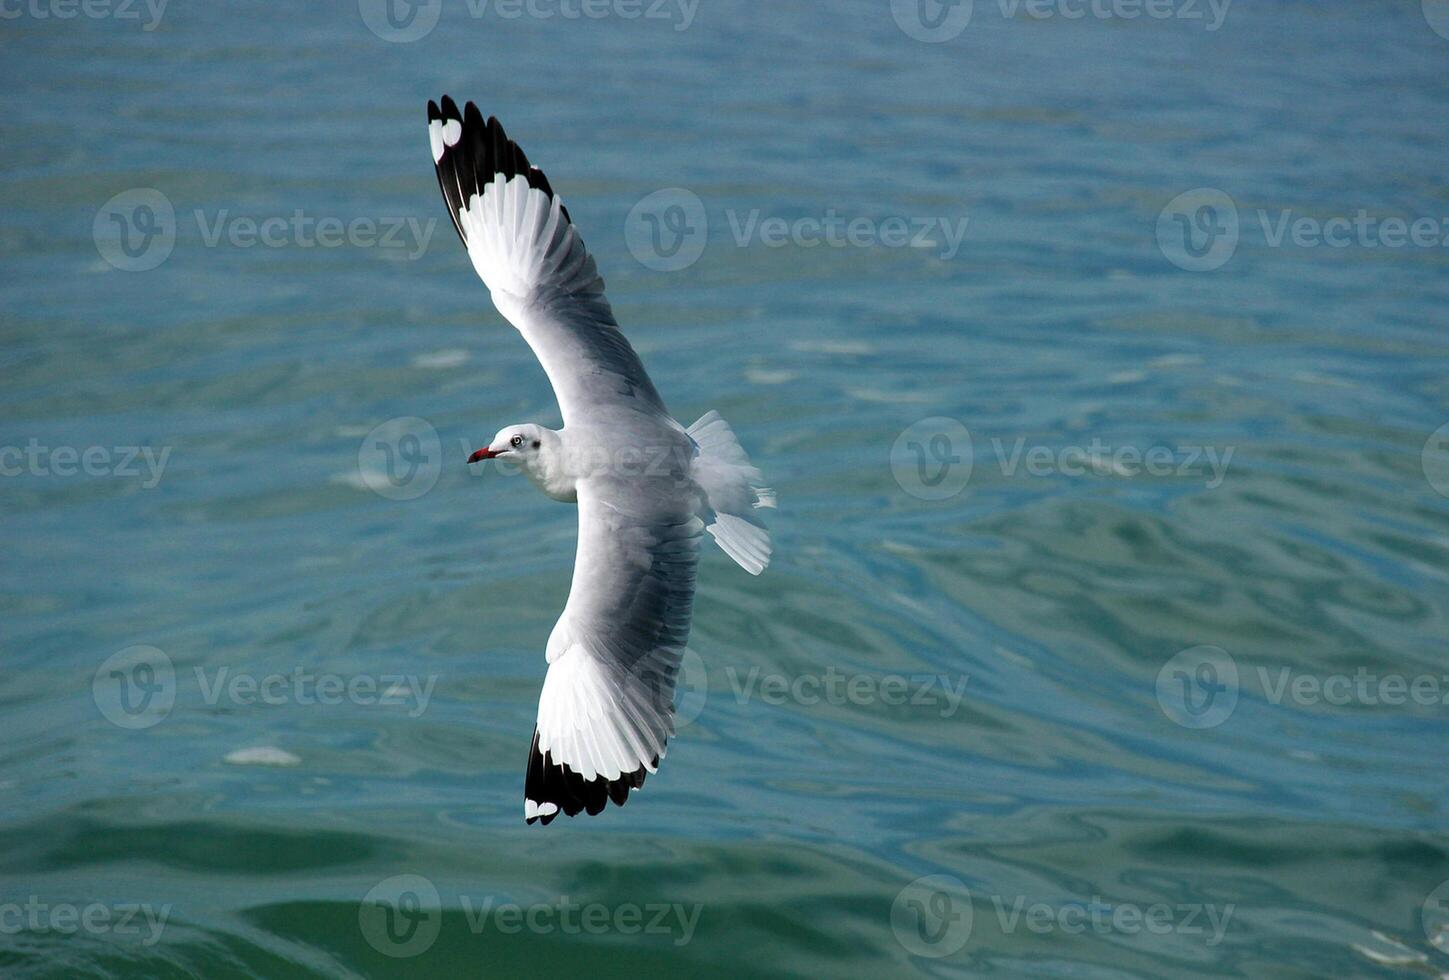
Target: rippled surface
1057, 794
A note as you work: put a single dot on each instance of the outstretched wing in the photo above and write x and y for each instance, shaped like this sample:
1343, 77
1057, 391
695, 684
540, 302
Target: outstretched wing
527, 251
606, 710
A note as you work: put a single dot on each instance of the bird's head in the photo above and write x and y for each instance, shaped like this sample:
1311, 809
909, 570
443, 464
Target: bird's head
537, 452
519, 444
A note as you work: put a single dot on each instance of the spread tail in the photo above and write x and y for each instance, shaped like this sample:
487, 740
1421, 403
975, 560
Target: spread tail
734, 490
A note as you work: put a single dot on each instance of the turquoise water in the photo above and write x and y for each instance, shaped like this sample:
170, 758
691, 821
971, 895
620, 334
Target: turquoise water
271, 670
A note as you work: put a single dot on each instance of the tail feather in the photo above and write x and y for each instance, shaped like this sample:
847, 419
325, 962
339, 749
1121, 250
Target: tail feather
748, 544
733, 486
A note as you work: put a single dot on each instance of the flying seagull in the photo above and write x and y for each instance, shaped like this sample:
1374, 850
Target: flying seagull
646, 487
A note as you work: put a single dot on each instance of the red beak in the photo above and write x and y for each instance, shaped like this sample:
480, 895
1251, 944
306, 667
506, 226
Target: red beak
482, 454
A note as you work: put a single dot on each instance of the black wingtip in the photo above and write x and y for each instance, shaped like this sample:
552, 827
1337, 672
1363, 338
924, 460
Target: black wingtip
550, 782
482, 151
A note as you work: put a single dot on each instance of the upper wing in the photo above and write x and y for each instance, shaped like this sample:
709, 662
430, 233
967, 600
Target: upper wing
606, 710
525, 248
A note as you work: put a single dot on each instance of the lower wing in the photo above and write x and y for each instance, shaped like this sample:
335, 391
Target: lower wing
607, 707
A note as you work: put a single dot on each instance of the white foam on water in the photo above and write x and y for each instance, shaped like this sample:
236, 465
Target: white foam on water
263, 755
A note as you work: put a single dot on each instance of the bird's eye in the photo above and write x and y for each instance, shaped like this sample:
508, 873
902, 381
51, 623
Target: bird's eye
516, 441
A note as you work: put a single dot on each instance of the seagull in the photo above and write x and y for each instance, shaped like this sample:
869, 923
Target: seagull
647, 488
